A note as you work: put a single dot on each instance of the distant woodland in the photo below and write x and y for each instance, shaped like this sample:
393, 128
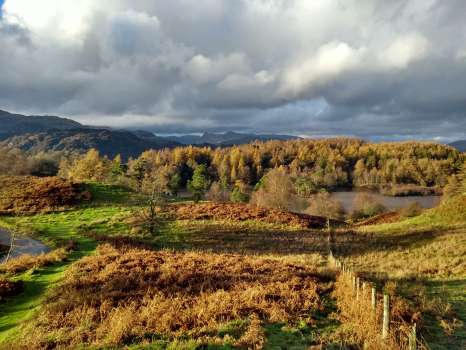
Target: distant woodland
397, 168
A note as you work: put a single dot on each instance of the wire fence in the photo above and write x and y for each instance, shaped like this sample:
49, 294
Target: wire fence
371, 308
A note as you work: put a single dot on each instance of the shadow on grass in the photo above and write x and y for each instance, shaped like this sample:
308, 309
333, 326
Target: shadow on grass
454, 292
107, 195
240, 237
350, 243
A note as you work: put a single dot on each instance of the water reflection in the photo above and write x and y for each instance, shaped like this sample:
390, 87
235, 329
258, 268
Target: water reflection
346, 198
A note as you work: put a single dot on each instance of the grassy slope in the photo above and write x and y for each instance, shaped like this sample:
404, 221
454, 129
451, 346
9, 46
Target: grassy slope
431, 246
105, 216
55, 229
429, 250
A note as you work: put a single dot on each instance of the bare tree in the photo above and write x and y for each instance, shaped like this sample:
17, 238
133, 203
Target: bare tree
150, 215
12, 245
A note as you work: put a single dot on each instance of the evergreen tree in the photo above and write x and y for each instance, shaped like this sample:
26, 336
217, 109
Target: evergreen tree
175, 183
199, 183
118, 169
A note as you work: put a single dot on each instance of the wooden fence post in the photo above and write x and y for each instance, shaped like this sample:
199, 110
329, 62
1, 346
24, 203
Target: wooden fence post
413, 338
357, 288
374, 298
386, 316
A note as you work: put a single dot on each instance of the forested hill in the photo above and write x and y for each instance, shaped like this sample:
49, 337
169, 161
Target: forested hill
107, 142
313, 164
39, 134
17, 124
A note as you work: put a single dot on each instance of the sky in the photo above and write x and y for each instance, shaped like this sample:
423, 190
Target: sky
375, 69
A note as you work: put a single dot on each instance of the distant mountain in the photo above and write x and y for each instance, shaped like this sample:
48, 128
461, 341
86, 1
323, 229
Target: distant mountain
17, 124
36, 134
459, 145
226, 139
107, 142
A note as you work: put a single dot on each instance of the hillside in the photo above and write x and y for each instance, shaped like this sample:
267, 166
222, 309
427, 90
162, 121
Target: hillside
17, 124
227, 139
107, 142
228, 279
36, 134
459, 145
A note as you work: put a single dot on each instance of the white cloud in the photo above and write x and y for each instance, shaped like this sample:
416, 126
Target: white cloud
330, 60
202, 69
54, 17
224, 63
404, 50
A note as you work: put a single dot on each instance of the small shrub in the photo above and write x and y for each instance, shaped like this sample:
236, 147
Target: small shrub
217, 193
366, 206
28, 195
243, 212
10, 288
27, 262
238, 196
323, 205
411, 210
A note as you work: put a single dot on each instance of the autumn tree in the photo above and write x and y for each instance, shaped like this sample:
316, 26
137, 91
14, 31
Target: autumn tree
118, 169
218, 193
322, 204
90, 167
453, 187
276, 190
304, 187
174, 184
137, 171
456, 184
240, 193
314, 164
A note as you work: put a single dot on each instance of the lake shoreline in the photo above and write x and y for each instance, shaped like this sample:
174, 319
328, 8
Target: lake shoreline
22, 245
405, 191
392, 203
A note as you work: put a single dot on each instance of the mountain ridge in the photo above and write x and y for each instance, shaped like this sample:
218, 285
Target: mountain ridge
460, 145
17, 124
227, 139
36, 134
107, 142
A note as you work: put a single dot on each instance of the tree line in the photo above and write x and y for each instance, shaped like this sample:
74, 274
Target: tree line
311, 164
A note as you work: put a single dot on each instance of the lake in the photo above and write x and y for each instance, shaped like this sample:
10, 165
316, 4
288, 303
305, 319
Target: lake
23, 245
346, 198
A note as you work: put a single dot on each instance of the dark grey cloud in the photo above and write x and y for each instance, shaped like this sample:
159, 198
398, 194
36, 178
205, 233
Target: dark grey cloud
365, 68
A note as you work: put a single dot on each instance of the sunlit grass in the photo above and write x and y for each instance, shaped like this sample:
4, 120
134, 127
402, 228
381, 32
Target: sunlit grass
426, 255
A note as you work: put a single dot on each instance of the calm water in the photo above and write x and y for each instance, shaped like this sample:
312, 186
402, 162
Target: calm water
23, 245
346, 198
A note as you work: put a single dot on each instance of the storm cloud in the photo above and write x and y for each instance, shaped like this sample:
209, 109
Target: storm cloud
372, 68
